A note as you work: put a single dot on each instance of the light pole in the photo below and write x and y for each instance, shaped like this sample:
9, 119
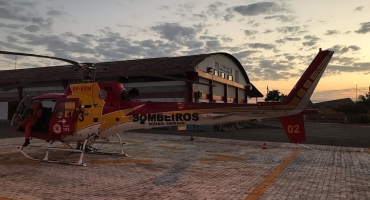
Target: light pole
356, 91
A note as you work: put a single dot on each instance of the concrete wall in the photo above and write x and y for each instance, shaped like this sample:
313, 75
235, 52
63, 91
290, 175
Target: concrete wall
203, 88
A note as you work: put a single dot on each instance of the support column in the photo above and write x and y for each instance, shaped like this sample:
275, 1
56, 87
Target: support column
210, 91
236, 95
225, 93
247, 90
193, 76
20, 94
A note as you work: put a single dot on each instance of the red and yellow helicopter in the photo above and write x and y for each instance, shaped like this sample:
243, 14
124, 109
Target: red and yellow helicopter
91, 111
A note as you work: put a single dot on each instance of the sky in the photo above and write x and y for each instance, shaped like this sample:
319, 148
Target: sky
275, 41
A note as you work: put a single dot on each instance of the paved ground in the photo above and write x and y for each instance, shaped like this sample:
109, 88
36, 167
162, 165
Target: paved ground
173, 167
348, 135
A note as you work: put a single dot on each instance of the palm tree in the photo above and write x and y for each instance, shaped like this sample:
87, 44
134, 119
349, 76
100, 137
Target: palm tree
365, 100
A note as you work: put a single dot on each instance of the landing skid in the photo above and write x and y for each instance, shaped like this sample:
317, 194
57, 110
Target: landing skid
46, 158
85, 148
91, 150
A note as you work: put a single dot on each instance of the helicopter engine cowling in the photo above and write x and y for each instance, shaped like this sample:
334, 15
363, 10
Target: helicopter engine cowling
129, 94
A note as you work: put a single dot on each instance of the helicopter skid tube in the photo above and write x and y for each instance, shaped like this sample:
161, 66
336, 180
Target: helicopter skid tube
46, 158
120, 143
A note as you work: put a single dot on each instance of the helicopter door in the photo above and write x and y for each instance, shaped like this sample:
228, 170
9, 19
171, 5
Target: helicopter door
64, 117
19, 112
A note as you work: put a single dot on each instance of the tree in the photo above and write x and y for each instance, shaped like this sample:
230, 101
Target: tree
274, 95
364, 99
360, 110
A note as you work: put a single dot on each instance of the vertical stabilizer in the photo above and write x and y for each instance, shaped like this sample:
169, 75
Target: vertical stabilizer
298, 98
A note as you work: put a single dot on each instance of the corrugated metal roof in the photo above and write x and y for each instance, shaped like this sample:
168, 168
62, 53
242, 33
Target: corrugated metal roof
138, 67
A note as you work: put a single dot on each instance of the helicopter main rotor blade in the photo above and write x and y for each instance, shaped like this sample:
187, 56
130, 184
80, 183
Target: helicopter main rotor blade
41, 56
12, 87
171, 78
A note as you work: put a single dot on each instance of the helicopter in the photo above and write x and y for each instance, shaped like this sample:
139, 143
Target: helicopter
92, 112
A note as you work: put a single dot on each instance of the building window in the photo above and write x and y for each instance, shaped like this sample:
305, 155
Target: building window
222, 74
217, 73
230, 77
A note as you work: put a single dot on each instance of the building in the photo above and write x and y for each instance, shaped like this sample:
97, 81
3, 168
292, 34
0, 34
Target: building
214, 77
327, 113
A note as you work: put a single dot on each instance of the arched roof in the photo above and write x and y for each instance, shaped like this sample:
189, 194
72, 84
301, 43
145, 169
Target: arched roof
137, 67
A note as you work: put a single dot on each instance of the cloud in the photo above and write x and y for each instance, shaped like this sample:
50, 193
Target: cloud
226, 39
282, 18
175, 32
163, 8
359, 8
55, 13
4, 3
260, 8
15, 11
331, 32
12, 46
354, 47
213, 43
365, 28
32, 28
47, 24
311, 40
261, 46
186, 8
289, 57
342, 60
340, 49
11, 13
228, 17
61, 45
199, 16
26, 4
11, 39
250, 32
354, 67
287, 39
253, 23
11, 26
288, 29
243, 54
267, 31
214, 9
272, 70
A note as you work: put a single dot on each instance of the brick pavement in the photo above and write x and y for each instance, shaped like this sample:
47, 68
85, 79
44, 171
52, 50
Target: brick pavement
173, 167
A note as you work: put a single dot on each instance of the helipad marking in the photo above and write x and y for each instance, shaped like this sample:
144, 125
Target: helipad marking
10, 154
121, 161
267, 182
169, 147
20, 163
220, 157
